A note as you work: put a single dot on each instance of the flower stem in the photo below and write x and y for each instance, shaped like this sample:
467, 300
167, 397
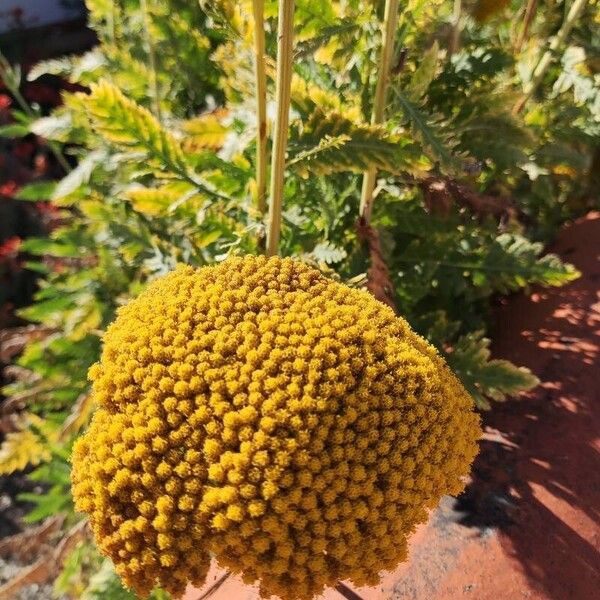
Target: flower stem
285, 36
389, 26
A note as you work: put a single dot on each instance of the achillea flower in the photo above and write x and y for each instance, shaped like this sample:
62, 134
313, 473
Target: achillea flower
292, 427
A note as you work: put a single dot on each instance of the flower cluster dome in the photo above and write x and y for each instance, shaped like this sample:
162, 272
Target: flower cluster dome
258, 412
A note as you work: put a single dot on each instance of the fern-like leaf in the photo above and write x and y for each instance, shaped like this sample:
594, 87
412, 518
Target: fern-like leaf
430, 131
513, 261
350, 146
124, 123
508, 263
425, 73
78, 177
105, 583
132, 127
329, 253
491, 133
343, 31
484, 377
305, 158
308, 97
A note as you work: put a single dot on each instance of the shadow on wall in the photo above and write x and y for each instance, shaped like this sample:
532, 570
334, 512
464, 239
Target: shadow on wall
537, 478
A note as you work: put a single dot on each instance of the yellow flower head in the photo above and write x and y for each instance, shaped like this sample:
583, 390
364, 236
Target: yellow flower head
291, 426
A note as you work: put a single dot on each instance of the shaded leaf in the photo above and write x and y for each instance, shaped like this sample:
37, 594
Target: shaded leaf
424, 74
431, 133
40, 190
484, 377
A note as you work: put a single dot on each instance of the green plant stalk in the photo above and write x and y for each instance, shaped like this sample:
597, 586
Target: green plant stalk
456, 28
153, 83
111, 23
285, 35
527, 19
546, 60
389, 26
13, 87
261, 104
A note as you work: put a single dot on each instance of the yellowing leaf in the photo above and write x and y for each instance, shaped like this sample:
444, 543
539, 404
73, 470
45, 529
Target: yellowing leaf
204, 132
564, 170
22, 448
125, 123
325, 54
158, 201
310, 97
83, 320
151, 202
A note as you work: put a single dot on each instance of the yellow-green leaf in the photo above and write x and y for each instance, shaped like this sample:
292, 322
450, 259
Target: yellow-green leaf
204, 132
23, 448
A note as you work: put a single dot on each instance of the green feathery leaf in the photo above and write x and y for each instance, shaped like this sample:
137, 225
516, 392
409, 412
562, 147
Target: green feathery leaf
429, 131
330, 143
484, 377
132, 127
509, 263
513, 262
124, 123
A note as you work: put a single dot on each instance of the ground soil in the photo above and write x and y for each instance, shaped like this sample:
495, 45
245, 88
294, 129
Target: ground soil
528, 524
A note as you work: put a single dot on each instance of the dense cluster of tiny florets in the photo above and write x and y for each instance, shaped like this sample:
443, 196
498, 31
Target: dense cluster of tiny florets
256, 411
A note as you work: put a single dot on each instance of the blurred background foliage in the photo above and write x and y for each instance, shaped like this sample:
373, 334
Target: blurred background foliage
484, 153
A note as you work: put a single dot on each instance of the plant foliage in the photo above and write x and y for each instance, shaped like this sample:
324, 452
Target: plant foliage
164, 143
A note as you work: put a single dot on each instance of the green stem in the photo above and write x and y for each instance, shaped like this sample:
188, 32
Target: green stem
111, 22
285, 35
154, 92
261, 105
389, 26
546, 60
